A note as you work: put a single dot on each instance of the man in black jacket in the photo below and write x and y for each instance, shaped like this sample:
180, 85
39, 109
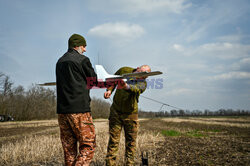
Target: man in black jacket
73, 70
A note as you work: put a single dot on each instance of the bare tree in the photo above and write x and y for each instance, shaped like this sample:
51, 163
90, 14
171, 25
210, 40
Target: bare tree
99, 108
7, 85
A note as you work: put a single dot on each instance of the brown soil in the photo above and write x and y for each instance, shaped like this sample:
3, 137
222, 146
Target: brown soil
220, 145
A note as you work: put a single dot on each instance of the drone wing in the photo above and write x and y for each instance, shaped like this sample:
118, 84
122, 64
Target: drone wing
48, 84
142, 74
103, 76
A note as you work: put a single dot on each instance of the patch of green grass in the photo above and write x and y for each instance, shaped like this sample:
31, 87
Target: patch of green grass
214, 130
195, 133
170, 133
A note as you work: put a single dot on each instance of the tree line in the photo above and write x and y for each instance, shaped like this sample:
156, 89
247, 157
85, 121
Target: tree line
193, 113
38, 103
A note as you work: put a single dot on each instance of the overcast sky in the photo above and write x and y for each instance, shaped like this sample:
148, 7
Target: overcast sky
202, 47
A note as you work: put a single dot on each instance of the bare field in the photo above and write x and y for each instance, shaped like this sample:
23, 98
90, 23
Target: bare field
168, 141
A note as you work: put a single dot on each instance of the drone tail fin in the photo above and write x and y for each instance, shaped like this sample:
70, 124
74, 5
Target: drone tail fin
102, 74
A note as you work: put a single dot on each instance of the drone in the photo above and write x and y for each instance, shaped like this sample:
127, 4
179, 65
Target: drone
104, 76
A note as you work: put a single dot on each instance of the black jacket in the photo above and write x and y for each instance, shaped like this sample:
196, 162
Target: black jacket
72, 72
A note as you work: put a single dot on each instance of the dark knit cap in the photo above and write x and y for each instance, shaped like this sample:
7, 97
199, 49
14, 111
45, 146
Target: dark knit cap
76, 40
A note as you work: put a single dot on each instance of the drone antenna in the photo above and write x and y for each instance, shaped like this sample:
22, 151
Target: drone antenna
161, 103
98, 56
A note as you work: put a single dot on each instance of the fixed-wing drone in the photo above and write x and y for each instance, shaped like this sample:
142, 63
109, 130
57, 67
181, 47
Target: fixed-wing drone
103, 76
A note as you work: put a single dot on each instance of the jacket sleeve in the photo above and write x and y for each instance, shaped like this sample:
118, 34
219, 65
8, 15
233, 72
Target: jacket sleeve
113, 86
89, 72
88, 69
138, 87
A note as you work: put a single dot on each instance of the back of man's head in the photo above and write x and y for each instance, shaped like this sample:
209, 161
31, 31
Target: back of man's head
76, 40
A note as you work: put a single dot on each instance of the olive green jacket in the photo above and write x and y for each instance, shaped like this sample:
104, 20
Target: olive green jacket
126, 101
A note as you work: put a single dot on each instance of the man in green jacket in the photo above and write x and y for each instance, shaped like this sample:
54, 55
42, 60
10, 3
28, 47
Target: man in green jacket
124, 113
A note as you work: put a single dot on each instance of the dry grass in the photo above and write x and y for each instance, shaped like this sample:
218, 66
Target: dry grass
43, 147
34, 123
202, 141
146, 141
239, 122
36, 150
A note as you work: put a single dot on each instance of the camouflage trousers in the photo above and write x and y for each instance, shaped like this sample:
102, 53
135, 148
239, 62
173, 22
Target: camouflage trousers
77, 128
130, 125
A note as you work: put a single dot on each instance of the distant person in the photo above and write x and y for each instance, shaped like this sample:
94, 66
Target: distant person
124, 114
73, 103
